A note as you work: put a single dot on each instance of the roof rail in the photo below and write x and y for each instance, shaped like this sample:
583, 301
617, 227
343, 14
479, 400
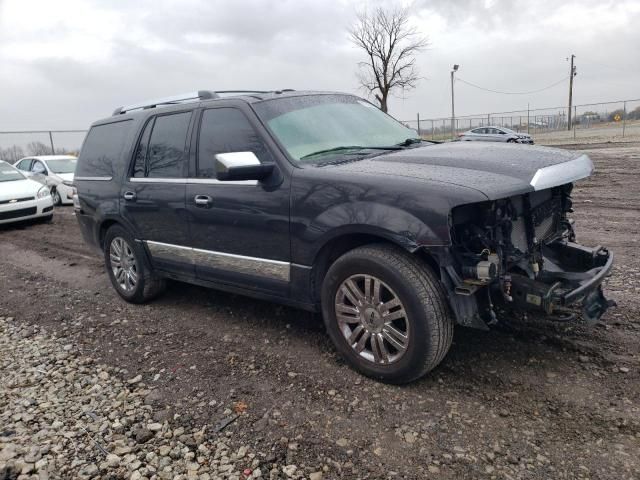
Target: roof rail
189, 97
242, 91
176, 99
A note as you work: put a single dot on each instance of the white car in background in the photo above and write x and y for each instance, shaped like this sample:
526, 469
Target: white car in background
495, 134
55, 171
22, 198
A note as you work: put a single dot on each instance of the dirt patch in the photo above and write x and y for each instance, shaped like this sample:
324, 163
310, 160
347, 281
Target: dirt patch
530, 399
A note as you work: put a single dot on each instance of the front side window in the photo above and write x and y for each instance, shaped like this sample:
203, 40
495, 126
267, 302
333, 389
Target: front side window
312, 124
226, 130
166, 156
38, 167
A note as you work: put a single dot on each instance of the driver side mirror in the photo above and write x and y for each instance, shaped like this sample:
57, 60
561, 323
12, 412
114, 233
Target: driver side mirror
241, 166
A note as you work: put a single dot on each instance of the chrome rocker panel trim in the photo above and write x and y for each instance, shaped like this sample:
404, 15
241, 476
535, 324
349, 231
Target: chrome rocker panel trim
261, 267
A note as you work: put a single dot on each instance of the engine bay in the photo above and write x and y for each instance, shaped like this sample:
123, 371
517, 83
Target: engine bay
521, 252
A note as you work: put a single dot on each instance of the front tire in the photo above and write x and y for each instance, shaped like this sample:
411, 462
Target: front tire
57, 199
127, 268
387, 313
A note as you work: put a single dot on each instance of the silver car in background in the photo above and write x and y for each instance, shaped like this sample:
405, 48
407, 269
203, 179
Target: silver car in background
495, 134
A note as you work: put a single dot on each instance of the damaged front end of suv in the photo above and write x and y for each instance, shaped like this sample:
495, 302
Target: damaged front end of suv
520, 253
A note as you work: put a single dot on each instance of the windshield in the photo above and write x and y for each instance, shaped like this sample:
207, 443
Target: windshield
62, 165
8, 173
312, 125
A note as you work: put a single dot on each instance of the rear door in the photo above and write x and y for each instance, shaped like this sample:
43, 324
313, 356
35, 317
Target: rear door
152, 197
241, 237
480, 134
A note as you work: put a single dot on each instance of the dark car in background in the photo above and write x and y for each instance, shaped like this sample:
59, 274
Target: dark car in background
323, 202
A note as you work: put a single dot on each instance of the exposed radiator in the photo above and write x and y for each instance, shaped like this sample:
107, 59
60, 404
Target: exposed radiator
544, 230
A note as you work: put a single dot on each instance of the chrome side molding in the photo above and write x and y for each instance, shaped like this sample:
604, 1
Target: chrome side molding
562, 173
191, 181
261, 267
93, 179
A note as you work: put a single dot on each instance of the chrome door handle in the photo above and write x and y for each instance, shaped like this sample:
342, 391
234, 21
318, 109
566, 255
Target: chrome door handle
129, 196
203, 200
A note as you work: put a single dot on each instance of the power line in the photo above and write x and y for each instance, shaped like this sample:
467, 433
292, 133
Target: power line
512, 93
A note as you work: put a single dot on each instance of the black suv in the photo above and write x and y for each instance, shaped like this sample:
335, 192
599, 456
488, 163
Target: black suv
321, 201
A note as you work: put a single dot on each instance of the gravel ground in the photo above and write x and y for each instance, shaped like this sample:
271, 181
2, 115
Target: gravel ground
66, 416
531, 399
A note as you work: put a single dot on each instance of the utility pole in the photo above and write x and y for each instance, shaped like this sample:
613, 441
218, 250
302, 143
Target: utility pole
53, 150
572, 73
453, 110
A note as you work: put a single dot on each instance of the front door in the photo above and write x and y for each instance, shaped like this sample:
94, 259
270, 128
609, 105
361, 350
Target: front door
153, 195
239, 229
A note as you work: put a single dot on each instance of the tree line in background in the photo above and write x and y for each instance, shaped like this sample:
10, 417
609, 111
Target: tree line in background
14, 153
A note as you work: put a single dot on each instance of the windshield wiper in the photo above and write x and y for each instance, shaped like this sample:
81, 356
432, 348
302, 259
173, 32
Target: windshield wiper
408, 142
349, 147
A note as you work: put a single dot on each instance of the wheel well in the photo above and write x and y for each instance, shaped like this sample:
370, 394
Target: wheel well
337, 247
106, 225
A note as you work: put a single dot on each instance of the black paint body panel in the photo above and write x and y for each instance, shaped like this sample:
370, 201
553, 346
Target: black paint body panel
405, 197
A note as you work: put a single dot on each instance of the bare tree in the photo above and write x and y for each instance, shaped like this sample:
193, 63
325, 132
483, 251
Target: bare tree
11, 154
391, 45
38, 148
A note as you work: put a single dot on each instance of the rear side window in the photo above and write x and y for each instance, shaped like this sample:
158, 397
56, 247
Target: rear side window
226, 130
24, 164
161, 152
140, 158
101, 154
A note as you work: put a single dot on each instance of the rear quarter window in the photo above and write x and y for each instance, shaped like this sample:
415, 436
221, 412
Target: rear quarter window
102, 151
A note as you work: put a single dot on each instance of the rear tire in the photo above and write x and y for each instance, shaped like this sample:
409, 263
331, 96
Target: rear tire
127, 267
404, 341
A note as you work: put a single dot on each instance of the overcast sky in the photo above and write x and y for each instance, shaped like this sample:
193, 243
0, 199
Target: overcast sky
66, 63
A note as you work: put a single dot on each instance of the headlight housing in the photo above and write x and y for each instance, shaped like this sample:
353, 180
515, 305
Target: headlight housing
44, 192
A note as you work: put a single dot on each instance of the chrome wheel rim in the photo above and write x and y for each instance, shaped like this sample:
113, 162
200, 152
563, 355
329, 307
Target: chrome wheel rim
372, 319
123, 264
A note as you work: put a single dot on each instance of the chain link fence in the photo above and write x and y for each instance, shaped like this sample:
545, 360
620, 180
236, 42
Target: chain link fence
592, 122
17, 144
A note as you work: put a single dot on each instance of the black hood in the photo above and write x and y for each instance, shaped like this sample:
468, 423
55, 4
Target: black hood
497, 170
